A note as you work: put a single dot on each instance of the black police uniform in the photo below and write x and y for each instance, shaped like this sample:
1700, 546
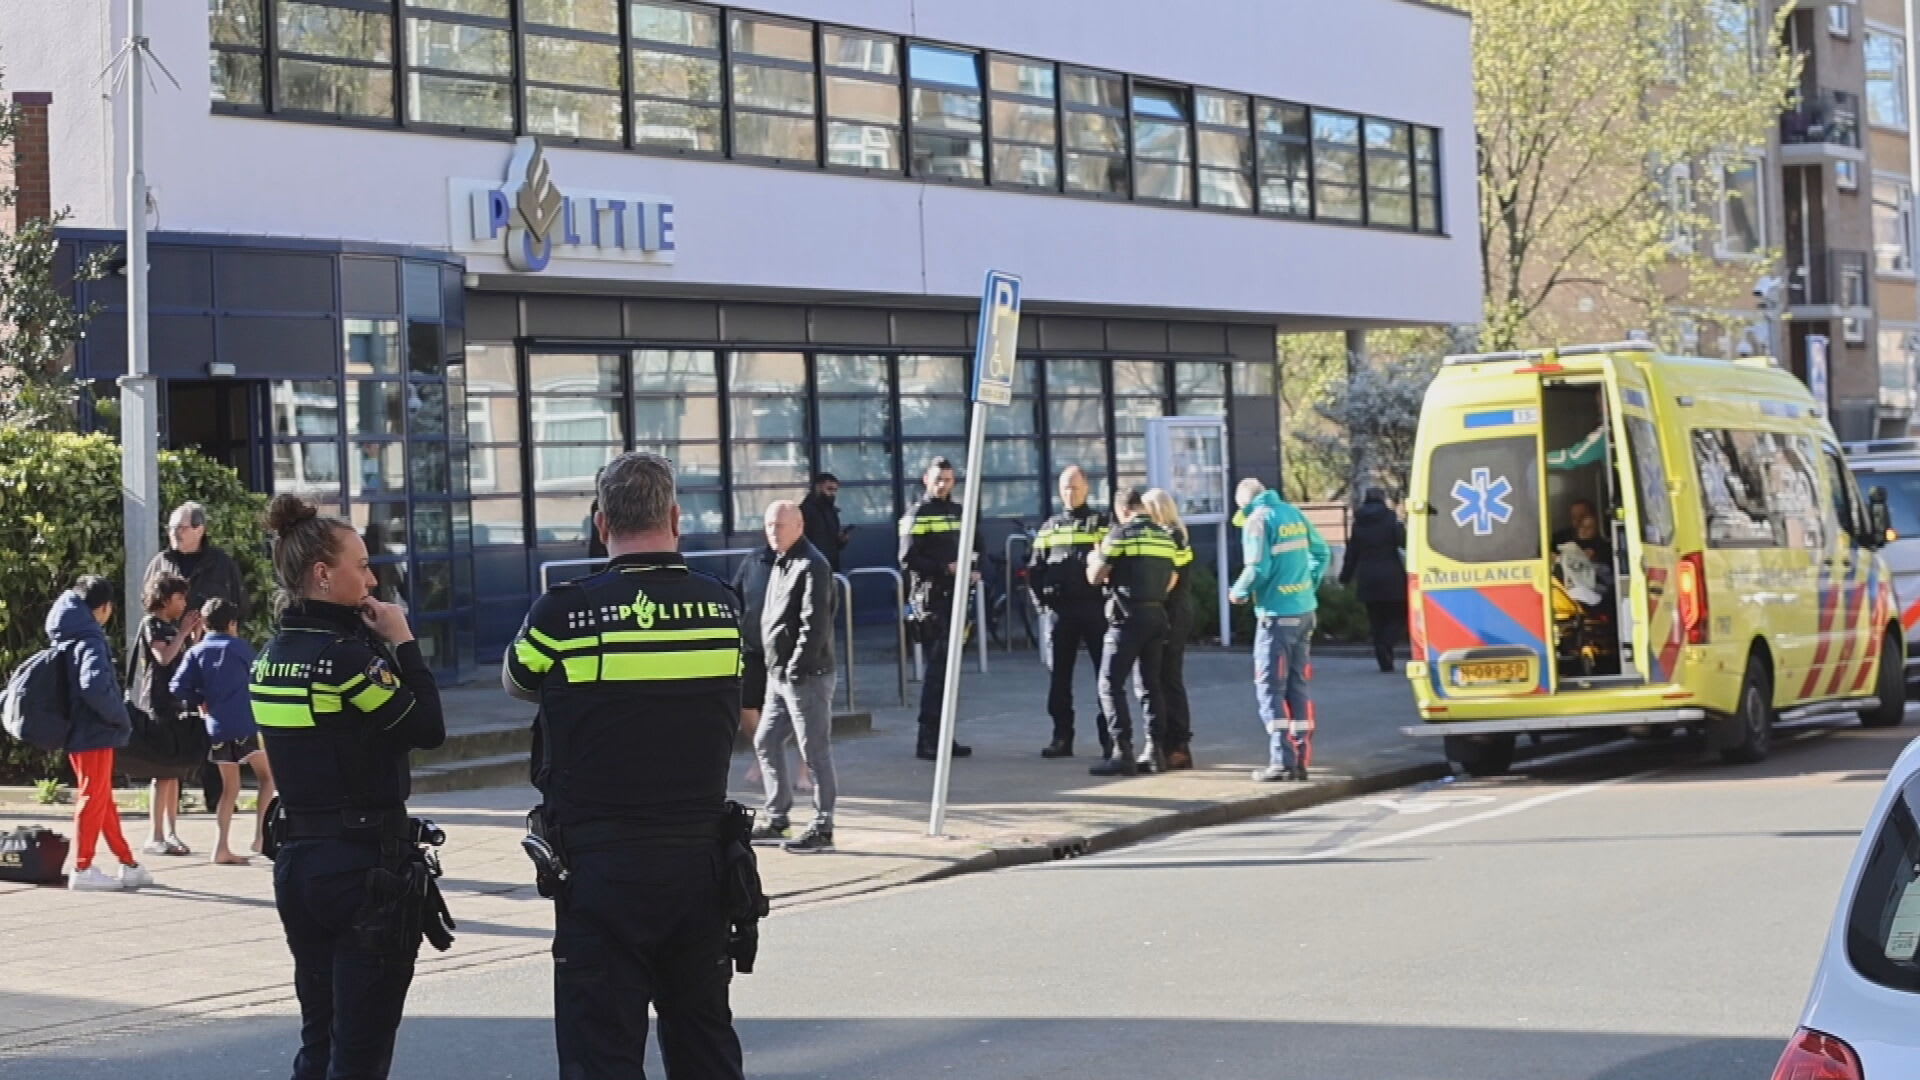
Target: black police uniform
1140, 556
929, 547
638, 674
338, 721
1175, 733
1057, 575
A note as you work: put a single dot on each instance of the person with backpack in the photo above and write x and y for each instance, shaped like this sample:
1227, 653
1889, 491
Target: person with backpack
99, 725
213, 681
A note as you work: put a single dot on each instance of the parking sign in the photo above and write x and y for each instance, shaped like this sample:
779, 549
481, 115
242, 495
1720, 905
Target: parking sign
993, 355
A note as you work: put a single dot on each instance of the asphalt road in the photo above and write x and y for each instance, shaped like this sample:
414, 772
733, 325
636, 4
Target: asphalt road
1628, 913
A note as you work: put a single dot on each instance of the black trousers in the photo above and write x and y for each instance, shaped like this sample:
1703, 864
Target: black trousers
351, 991
1176, 729
1385, 622
640, 925
934, 645
1134, 640
1069, 631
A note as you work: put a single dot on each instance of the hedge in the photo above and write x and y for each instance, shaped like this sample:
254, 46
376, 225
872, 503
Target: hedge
60, 517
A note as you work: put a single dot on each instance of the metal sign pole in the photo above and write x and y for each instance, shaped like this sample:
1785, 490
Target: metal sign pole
993, 364
1226, 585
139, 398
957, 620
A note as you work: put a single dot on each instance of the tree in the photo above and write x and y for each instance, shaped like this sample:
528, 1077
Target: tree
39, 323
1367, 420
1611, 135
1313, 453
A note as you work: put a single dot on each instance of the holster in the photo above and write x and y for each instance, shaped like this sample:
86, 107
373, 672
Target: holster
404, 904
746, 901
274, 835
542, 845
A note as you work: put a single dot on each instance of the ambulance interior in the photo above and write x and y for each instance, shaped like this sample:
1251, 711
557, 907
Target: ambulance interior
1583, 505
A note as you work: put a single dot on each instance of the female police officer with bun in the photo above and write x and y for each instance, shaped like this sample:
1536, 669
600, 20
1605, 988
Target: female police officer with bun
341, 695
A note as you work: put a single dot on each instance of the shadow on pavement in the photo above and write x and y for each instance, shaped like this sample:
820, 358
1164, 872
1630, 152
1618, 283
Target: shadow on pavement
443, 1048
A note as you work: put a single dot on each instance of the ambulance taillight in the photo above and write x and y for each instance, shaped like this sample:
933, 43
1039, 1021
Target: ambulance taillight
1691, 581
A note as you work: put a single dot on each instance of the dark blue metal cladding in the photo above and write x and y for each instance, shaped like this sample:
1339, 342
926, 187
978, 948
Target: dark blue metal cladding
355, 355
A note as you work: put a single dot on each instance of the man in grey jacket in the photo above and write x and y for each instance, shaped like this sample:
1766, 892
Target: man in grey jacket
796, 628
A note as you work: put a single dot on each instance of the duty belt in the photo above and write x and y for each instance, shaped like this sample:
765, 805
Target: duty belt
588, 835
387, 823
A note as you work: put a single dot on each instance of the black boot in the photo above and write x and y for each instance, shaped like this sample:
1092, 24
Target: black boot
929, 750
1058, 748
1120, 764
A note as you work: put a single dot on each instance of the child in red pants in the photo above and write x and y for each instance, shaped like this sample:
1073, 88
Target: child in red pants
100, 724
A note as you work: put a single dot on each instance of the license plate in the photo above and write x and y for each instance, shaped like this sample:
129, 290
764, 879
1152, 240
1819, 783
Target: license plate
1491, 672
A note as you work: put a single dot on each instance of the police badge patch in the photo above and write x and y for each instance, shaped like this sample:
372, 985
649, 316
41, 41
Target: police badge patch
382, 675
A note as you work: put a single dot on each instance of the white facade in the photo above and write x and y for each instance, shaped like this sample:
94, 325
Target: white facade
743, 228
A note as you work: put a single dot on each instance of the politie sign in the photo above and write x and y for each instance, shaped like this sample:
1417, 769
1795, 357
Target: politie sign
530, 218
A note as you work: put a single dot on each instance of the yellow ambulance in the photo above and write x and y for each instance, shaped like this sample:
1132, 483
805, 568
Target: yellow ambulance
1607, 537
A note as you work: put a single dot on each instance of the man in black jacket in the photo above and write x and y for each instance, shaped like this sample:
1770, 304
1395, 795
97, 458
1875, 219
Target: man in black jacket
211, 575
797, 629
1071, 608
1376, 568
930, 554
822, 516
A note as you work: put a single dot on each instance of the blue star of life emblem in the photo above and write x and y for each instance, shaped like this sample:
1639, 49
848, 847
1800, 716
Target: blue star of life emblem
1482, 502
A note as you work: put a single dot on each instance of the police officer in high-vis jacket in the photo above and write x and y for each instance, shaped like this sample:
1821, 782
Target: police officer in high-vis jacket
637, 673
1135, 563
1069, 604
341, 695
930, 555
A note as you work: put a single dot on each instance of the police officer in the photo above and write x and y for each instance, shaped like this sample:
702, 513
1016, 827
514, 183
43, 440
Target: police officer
930, 555
341, 695
637, 674
1069, 604
1135, 563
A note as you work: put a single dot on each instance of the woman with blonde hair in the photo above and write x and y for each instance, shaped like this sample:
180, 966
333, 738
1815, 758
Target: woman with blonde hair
1175, 742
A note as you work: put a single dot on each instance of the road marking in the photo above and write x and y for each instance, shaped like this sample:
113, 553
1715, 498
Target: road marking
1427, 803
1343, 850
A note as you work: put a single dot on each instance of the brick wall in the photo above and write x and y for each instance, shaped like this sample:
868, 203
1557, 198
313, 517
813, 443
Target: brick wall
30, 169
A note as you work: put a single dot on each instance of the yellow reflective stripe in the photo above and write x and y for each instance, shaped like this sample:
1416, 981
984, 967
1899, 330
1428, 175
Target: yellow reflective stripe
582, 669
935, 525
560, 644
327, 703
706, 633
531, 657
1183, 557
345, 688
662, 666
372, 698
264, 690
274, 715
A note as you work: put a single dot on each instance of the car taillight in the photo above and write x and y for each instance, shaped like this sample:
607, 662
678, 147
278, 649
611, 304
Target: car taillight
1815, 1055
1691, 581
1416, 619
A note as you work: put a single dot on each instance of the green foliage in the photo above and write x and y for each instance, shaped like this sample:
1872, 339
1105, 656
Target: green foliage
47, 792
1605, 131
1342, 618
1206, 608
39, 324
60, 517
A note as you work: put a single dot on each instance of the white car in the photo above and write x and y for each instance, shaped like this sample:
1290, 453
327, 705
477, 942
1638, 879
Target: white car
1893, 466
1863, 1016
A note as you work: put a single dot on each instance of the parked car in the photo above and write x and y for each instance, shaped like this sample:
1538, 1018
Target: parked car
1860, 1018
1892, 466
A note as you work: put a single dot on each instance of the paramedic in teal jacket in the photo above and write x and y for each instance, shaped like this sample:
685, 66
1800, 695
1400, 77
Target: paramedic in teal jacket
1284, 557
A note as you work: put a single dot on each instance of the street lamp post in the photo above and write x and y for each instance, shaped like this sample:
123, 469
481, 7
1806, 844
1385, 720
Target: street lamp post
139, 391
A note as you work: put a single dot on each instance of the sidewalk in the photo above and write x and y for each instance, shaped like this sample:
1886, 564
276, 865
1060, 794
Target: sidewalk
205, 938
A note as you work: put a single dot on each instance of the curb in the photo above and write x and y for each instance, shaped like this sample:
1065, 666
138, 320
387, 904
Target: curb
1221, 813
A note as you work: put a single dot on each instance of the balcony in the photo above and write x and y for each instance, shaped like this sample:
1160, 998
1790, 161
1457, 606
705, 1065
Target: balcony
1828, 283
1822, 126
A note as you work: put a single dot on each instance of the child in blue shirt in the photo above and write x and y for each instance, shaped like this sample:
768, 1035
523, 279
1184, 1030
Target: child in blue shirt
214, 679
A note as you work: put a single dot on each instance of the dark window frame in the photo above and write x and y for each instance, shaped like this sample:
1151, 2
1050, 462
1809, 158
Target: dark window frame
1250, 172
1358, 149
1304, 143
1135, 161
1121, 114
410, 10
980, 93
827, 70
735, 109
1368, 155
717, 54
525, 31
1054, 105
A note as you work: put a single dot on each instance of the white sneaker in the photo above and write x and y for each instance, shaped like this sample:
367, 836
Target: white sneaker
92, 879
154, 847
134, 877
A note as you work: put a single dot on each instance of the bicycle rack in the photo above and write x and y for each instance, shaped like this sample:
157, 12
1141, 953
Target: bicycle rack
899, 621
846, 615
1006, 622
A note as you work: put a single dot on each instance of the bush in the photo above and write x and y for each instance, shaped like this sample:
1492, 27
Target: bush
1206, 608
1343, 619
60, 517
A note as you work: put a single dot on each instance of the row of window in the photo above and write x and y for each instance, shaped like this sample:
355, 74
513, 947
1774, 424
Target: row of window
743, 429
668, 77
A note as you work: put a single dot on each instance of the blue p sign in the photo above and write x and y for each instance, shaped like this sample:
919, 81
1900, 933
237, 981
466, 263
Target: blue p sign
993, 356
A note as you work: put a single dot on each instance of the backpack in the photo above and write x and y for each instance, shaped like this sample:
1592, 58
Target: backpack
35, 708
31, 855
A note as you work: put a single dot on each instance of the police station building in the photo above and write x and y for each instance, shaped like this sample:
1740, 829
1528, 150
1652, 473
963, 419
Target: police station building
432, 262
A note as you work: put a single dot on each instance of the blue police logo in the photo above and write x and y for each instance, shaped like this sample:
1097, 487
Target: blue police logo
381, 675
1482, 502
